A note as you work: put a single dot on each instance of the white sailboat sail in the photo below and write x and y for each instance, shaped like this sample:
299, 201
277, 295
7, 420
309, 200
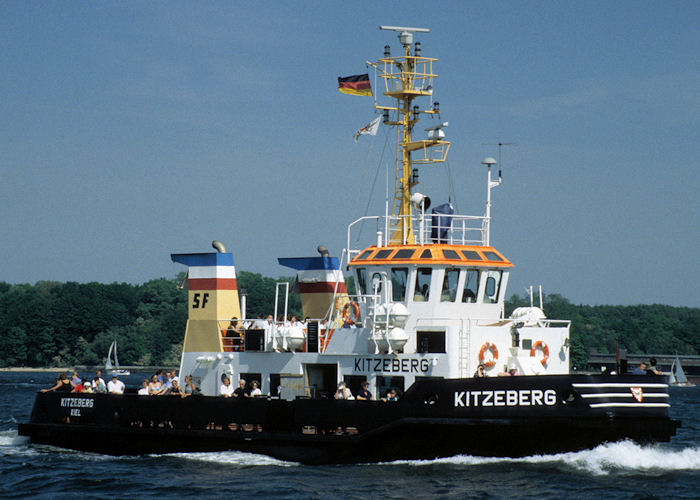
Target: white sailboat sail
678, 372
108, 364
116, 359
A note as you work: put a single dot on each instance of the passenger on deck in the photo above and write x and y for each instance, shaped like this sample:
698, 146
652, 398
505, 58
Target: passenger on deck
144, 388
653, 370
480, 371
259, 323
512, 372
62, 384
176, 390
364, 394
87, 387
234, 330
155, 388
190, 388
641, 369
343, 392
226, 389
241, 391
391, 396
78, 387
255, 389
175, 377
98, 385
98, 378
167, 382
115, 386
159, 375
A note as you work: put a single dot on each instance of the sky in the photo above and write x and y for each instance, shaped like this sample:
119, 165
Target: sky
133, 130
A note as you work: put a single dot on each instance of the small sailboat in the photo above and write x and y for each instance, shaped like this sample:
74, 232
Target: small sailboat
677, 376
114, 369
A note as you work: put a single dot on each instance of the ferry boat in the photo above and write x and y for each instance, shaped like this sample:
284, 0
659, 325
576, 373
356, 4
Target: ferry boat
428, 313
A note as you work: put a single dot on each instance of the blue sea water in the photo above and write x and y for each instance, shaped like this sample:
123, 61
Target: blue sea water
617, 470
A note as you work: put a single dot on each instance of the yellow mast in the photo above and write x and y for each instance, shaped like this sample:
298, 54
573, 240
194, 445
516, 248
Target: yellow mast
406, 78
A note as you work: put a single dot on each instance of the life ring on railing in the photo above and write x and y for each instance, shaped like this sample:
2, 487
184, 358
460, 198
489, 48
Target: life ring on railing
494, 352
545, 350
355, 310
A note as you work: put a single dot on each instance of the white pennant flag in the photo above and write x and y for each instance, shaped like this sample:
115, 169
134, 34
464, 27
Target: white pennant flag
369, 129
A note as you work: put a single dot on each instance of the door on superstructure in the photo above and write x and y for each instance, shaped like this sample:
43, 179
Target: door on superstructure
321, 379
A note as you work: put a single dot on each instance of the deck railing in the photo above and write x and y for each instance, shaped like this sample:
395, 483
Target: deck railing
451, 229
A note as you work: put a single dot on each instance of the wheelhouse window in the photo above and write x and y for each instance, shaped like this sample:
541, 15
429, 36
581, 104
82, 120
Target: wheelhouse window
422, 290
471, 286
493, 285
362, 280
449, 285
399, 277
450, 254
382, 254
404, 253
492, 256
471, 255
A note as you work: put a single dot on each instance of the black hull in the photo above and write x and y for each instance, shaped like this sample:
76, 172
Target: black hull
431, 421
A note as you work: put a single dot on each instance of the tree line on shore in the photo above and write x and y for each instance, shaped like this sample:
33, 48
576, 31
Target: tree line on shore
67, 324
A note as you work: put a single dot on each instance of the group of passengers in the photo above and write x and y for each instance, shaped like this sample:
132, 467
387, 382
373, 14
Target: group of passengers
87, 385
237, 328
649, 368
364, 393
162, 384
242, 391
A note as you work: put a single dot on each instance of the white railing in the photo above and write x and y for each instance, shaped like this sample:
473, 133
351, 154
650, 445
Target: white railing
451, 229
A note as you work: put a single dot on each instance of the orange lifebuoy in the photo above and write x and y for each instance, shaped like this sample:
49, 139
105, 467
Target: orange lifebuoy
494, 352
355, 310
545, 350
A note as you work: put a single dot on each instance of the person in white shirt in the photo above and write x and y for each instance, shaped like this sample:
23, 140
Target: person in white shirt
115, 386
226, 388
144, 388
98, 378
255, 391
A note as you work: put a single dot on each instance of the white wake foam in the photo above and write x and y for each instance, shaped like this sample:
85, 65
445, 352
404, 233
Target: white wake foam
11, 438
602, 460
233, 458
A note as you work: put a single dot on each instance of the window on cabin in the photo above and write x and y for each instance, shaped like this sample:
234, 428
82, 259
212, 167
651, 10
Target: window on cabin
471, 255
364, 255
362, 280
405, 253
430, 342
399, 277
450, 254
386, 383
382, 254
422, 290
493, 285
449, 285
426, 254
492, 256
471, 286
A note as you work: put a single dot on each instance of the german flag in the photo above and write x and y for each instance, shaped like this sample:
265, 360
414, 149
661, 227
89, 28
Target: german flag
355, 85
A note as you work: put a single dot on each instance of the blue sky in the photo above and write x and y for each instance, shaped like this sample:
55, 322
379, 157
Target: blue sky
130, 130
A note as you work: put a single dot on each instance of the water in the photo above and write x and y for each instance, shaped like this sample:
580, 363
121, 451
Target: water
619, 470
